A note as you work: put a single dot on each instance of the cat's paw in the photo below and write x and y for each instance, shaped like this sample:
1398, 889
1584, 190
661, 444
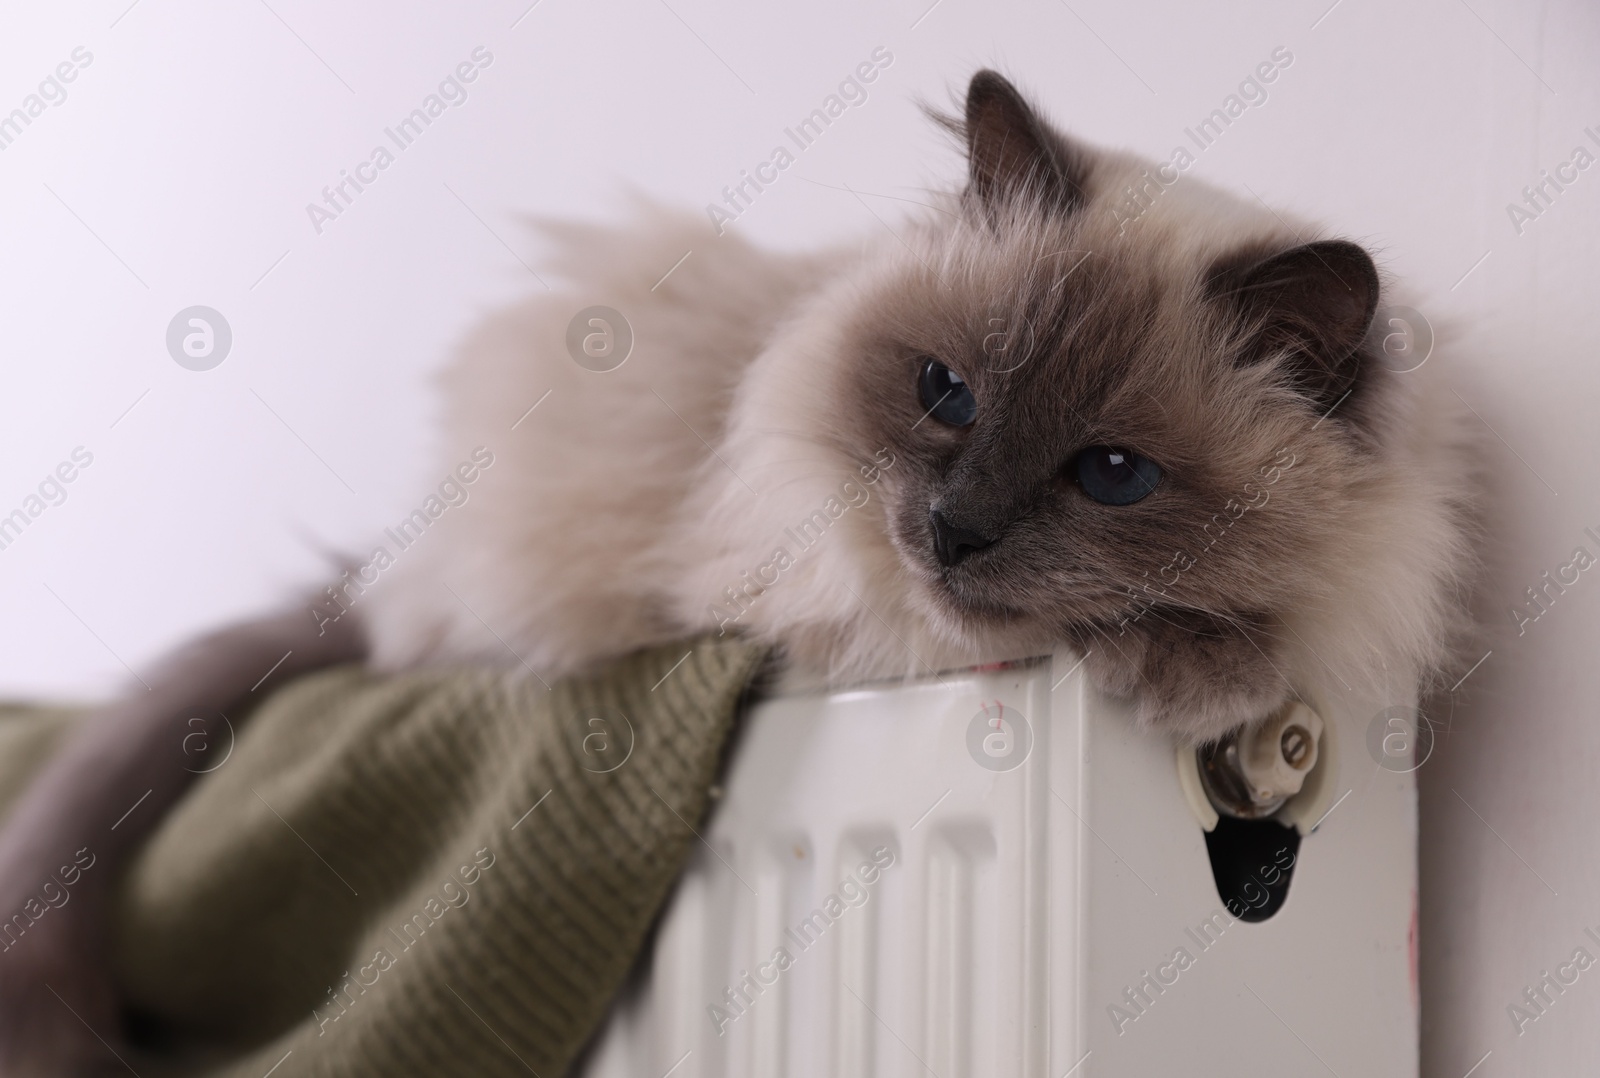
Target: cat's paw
1195, 676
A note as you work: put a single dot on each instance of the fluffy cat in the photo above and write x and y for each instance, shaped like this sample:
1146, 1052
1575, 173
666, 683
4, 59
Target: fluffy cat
765, 461
1015, 422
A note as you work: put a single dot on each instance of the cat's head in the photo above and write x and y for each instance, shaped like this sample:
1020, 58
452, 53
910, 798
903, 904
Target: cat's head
1110, 426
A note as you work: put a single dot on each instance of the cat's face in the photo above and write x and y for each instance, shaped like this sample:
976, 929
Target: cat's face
1106, 435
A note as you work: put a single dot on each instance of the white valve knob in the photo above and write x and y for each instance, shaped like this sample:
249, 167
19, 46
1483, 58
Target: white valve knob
1276, 757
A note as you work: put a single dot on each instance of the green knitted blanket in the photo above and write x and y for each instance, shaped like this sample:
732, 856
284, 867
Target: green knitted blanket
428, 874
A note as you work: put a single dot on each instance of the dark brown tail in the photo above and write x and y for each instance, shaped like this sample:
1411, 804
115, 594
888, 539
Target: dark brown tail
95, 803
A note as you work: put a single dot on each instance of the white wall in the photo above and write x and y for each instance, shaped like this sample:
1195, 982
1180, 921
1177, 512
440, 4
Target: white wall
177, 171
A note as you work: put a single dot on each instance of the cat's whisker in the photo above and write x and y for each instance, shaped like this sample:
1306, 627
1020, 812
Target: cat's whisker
875, 194
1118, 648
1221, 617
941, 193
1155, 612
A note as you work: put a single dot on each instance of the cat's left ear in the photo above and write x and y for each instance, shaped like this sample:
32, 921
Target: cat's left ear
1014, 154
1314, 303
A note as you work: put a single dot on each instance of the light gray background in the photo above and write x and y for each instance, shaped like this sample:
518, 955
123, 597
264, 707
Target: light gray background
177, 170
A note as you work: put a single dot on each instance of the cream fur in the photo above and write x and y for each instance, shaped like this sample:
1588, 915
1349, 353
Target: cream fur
619, 512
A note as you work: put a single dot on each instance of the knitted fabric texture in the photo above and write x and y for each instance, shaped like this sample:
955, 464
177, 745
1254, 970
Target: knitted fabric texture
435, 873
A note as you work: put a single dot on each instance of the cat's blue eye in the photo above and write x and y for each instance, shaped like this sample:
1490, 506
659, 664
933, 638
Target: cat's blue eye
945, 395
1115, 476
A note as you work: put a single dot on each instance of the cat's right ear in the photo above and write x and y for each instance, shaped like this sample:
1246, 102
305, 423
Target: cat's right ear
1012, 154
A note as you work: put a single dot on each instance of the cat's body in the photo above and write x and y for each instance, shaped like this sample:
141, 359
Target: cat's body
569, 546
743, 471
1016, 422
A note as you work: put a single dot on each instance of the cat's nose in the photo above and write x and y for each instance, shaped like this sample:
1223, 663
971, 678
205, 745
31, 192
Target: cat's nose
952, 542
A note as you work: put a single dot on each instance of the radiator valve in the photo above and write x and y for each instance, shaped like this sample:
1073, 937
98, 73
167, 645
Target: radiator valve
1251, 773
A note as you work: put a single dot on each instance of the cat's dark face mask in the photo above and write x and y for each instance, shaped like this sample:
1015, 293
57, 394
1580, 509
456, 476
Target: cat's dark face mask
1103, 432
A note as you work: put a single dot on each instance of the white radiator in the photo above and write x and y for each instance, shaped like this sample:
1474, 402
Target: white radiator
1058, 918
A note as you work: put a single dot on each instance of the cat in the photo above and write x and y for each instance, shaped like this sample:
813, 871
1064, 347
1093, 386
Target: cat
1016, 422
708, 483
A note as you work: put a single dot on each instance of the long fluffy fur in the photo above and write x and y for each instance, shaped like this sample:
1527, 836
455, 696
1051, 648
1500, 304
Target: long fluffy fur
623, 509
769, 394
